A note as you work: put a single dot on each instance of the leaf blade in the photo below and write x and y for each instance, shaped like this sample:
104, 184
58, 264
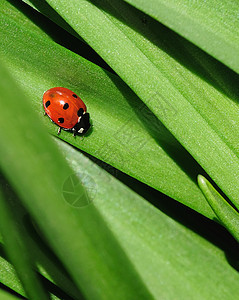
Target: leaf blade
41, 188
165, 253
130, 61
119, 136
16, 247
228, 216
210, 25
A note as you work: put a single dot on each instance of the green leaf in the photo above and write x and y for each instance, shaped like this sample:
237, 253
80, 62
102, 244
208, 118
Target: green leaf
38, 171
228, 216
6, 296
126, 134
211, 25
16, 247
46, 263
197, 112
158, 255
173, 261
8, 276
164, 252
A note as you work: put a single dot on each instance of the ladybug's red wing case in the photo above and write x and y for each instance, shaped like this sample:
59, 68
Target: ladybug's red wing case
65, 109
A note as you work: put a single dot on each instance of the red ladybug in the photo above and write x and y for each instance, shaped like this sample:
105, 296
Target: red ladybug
66, 109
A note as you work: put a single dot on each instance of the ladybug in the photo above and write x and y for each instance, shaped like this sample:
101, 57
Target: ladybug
66, 109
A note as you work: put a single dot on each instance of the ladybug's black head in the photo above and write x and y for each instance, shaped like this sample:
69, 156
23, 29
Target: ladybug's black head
83, 125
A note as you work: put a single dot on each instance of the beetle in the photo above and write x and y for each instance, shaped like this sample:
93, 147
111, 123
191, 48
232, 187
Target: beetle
67, 110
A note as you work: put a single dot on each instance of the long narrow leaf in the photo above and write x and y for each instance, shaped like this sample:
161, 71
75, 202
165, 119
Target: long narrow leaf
6, 296
125, 133
16, 248
8, 276
165, 253
185, 115
212, 25
45, 262
173, 261
96, 262
228, 216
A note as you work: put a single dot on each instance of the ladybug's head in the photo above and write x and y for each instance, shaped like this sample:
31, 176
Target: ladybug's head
83, 124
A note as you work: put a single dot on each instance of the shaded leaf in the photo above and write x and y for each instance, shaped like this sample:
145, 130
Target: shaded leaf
16, 247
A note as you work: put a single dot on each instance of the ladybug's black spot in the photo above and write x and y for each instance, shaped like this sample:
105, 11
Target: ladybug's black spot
47, 103
66, 105
80, 112
74, 95
61, 120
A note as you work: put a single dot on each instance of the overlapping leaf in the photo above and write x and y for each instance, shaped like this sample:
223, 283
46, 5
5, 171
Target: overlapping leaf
212, 25
165, 253
37, 171
125, 133
16, 248
226, 214
157, 255
194, 109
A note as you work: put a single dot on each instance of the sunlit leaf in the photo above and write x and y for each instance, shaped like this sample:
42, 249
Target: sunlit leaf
212, 25
192, 106
96, 262
226, 214
126, 134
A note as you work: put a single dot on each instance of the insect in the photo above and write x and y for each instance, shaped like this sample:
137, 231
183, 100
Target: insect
66, 109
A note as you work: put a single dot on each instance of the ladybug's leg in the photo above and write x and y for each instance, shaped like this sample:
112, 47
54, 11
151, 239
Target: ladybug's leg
45, 114
74, 132
59, 131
